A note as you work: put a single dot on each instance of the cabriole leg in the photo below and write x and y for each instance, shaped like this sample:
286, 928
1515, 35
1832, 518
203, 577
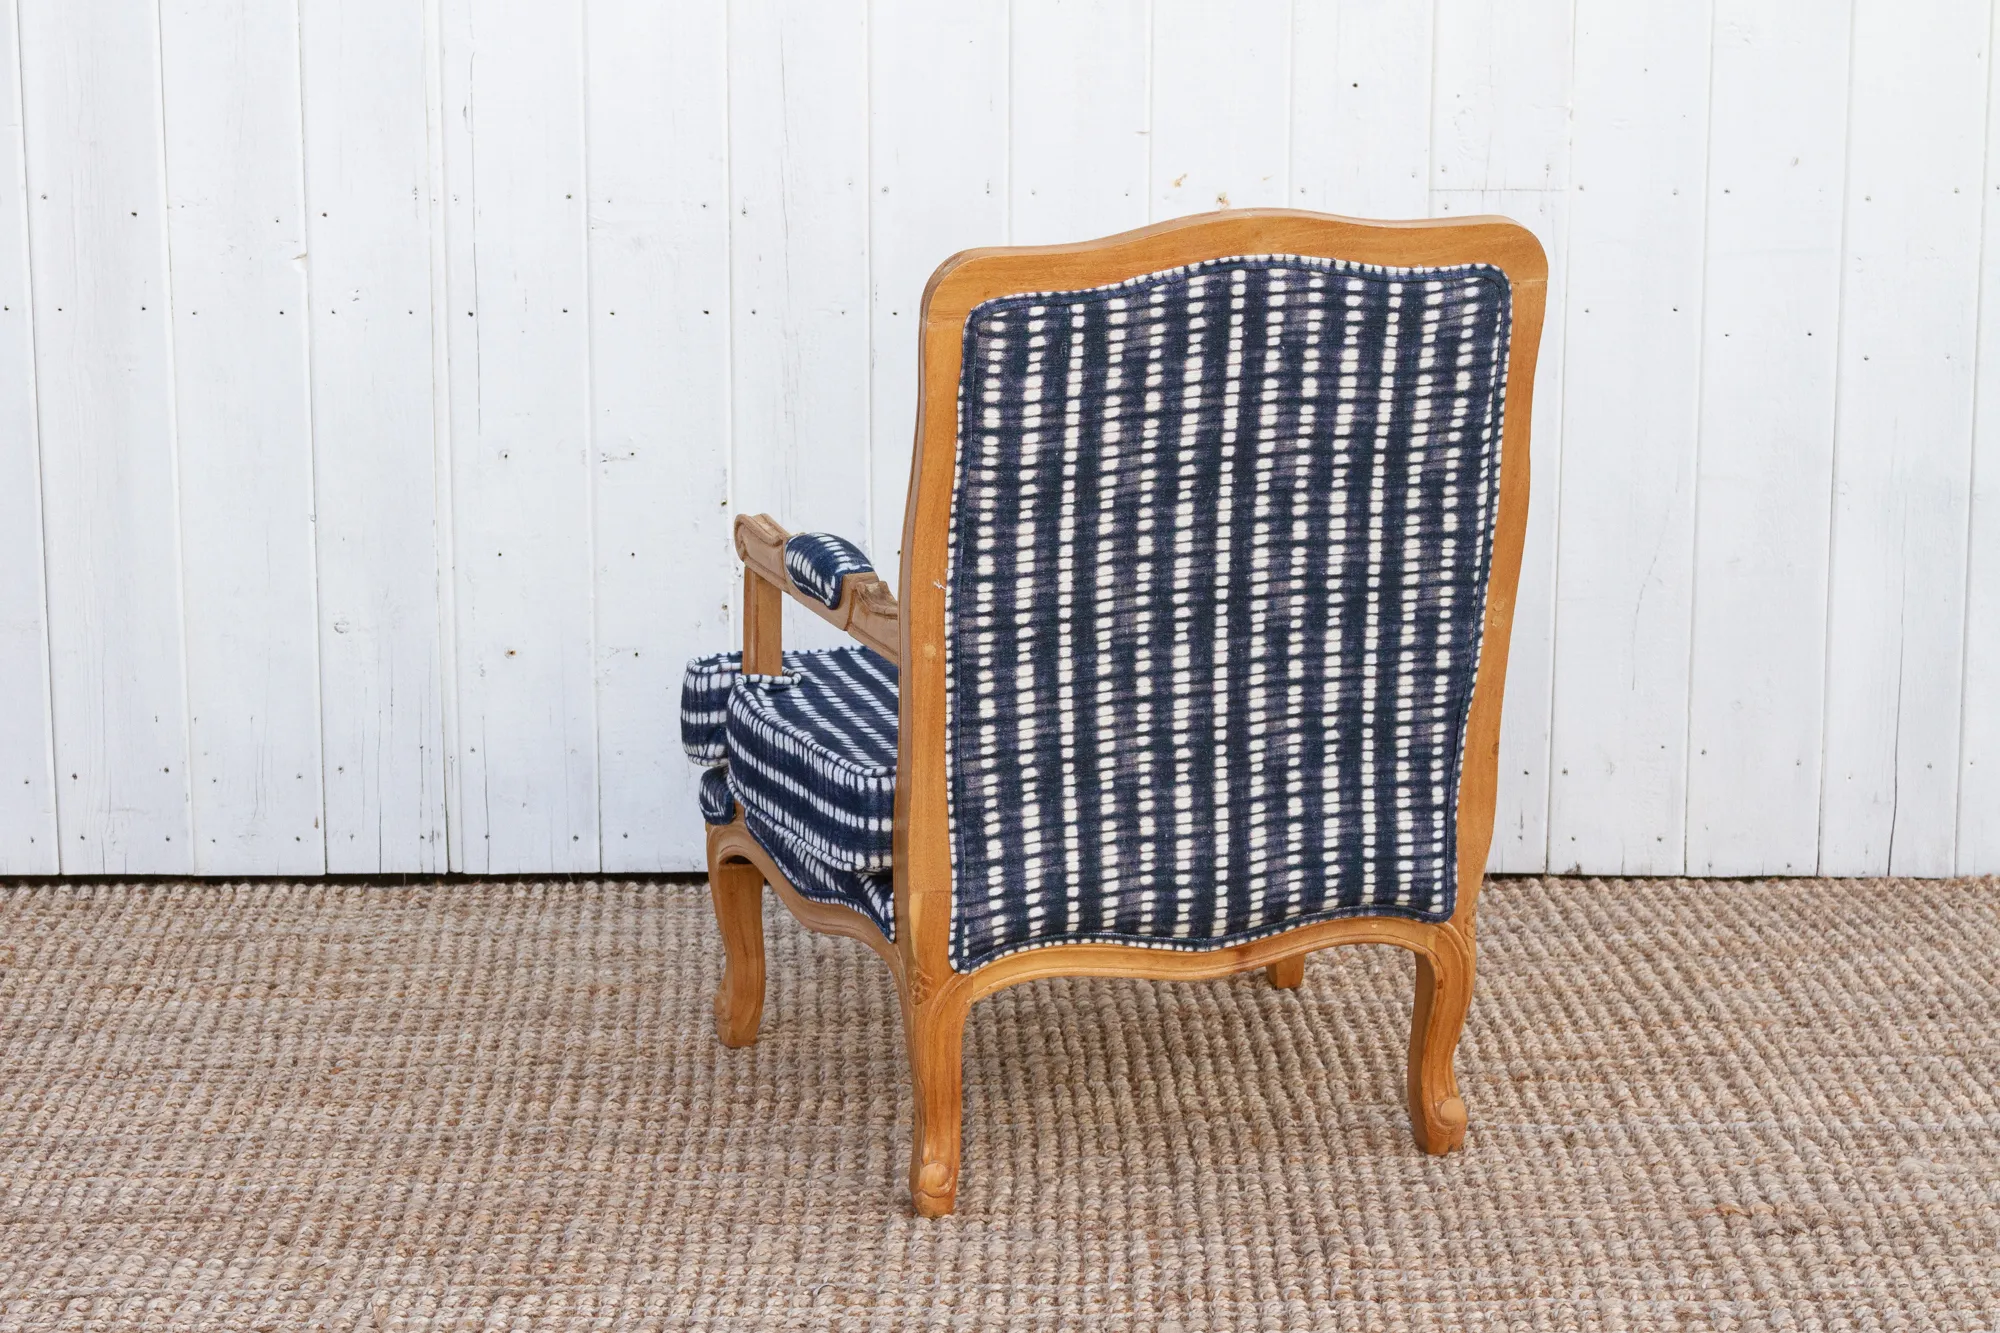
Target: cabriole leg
738, 890
1444, 991
936, 1033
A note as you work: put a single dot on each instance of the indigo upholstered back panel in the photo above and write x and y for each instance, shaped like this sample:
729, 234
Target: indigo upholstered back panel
1218, 559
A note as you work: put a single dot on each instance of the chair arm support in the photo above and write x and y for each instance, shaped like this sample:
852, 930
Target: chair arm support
866, 607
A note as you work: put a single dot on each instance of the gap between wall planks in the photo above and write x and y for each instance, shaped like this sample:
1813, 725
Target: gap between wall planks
400, 579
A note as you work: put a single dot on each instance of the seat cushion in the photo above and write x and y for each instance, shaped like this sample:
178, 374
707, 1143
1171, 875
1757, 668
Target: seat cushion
718, 803
705, 691
870, 892
812, 754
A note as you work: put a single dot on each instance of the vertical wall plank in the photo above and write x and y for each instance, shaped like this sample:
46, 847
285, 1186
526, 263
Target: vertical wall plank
938, 161
1520, 817
1214, 77
519, 321
1903, 441
104, 381
1979, 767
1770, 315
1631, 375
236, 240
27, 781
368, 229
1361, 116
798, 144
1500, 95
659, 256
1077, 119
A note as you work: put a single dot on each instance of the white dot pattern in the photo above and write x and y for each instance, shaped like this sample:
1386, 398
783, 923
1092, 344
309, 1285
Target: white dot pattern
1219, 549
813, 752
705, 690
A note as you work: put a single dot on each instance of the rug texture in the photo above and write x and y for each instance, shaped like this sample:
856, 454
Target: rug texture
502, 1106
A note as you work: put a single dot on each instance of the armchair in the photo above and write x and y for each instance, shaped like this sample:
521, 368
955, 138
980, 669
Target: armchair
1208, 571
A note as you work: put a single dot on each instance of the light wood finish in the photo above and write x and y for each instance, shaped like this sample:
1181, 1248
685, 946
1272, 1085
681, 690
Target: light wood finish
935, 998
738, 891
866, 609
1288, 975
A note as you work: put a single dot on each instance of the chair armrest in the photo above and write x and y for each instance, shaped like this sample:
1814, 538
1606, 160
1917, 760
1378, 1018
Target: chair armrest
863, 604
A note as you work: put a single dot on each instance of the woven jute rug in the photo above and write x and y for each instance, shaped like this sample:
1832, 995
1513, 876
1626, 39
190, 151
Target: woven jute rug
500, 1105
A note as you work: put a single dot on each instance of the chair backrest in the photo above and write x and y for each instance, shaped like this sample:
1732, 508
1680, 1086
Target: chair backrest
1217, 559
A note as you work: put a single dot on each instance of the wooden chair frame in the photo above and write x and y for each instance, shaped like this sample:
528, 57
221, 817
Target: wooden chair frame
935, 999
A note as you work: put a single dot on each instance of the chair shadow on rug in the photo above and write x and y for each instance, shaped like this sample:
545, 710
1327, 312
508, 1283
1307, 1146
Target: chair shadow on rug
1208, 570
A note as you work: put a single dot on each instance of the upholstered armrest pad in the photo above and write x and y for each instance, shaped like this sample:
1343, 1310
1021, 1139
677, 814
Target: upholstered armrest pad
818, 561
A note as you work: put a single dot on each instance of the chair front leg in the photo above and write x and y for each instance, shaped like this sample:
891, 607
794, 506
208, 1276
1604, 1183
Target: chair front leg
1444, 992
738, 890
935, 1029
1288, 975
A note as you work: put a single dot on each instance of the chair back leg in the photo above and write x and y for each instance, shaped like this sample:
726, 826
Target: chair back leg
1444, 991
738, 890
935, 1028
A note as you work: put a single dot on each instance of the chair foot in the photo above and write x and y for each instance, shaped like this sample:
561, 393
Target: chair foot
738, 890
1444, 992
936, 1032
1288, 975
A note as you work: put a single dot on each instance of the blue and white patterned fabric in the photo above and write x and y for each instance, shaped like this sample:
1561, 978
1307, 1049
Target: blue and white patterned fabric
813, 754
817, 766
873, 893
718, 803
705, 698
705, 690
1218, 563
818, 561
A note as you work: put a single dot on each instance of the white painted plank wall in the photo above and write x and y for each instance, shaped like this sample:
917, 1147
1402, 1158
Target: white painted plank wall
27, 776
1638, 162
937, 155
523, 484
104, 394
365, 75
1078, 119
1903, 437
1764, 455
1361, 73
400, 579
659, 367
1209, 80
236, 242
1979, 773
798, 124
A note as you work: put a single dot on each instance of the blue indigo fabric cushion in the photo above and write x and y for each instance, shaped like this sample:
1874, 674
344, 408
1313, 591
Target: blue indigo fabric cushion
872, 893
812, 754
1218, 565
818, 561
705, 690
718, 806
705, 695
